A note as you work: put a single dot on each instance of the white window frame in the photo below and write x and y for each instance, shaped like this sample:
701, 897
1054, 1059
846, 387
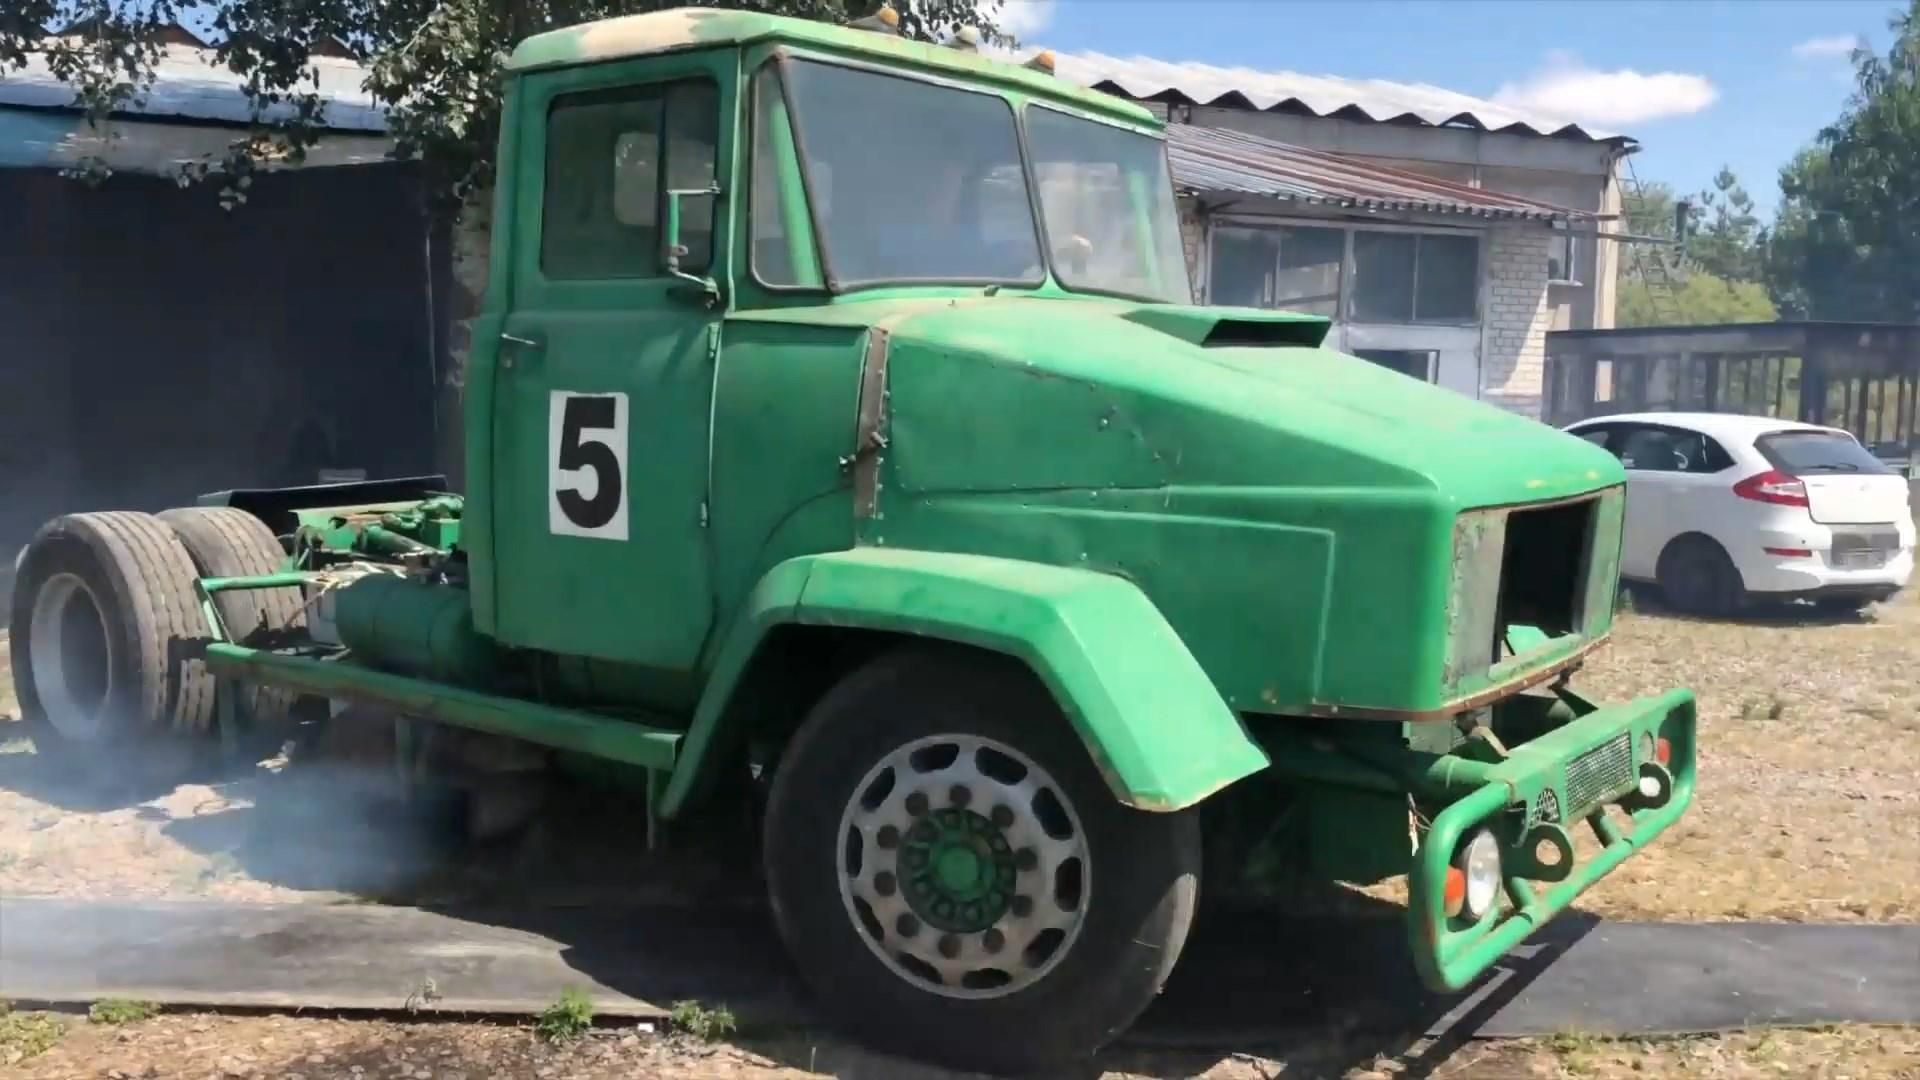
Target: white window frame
1572, 275
1343, 304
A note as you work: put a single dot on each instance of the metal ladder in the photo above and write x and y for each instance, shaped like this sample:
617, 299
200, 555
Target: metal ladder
1648, 262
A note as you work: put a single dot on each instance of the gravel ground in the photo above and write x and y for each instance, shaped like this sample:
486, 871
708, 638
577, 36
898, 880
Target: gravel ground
190, 1047
1807, 808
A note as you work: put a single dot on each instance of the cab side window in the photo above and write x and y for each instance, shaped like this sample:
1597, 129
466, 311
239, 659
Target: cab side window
611, 157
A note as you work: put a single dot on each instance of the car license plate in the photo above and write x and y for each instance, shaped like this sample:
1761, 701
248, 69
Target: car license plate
1862, 559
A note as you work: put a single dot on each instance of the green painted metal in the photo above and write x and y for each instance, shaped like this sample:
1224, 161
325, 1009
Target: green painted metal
1155, 726
611, 738
416, 628
1191, 523
960, 872
673, 31
634, 340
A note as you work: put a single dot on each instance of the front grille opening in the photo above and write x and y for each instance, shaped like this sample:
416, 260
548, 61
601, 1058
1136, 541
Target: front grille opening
1543, 573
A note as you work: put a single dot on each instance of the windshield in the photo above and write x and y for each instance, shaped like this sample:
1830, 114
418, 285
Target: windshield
911, 181
1801, 452
916, 182
1108, 206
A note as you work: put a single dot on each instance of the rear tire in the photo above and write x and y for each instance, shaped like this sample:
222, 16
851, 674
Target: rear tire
1697, 577
225, 542
106, 633
923, 956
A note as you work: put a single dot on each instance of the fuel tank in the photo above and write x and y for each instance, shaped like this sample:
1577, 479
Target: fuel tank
414, 628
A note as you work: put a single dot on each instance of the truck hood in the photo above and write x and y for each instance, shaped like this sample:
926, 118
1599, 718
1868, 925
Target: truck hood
1029, 393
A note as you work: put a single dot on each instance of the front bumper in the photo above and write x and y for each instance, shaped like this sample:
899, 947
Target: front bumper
1574, 772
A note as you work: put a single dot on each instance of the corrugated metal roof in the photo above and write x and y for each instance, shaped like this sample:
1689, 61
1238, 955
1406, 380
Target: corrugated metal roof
189, 87
1211, 160
1375, 100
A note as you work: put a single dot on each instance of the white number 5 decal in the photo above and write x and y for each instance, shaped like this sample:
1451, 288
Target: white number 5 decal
587, 465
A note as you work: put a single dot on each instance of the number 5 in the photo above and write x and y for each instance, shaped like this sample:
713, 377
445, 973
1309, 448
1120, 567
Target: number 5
587, 465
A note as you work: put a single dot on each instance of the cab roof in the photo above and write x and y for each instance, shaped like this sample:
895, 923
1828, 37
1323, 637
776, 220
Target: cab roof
696, 28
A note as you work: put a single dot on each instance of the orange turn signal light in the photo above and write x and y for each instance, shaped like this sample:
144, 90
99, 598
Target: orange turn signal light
1662, 751
1453, 893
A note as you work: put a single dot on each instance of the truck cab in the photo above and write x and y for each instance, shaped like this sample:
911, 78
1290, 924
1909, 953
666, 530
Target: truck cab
839, 415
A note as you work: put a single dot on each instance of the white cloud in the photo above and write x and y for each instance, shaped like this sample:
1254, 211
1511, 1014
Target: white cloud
1025, 18
1564, 87
1836, 47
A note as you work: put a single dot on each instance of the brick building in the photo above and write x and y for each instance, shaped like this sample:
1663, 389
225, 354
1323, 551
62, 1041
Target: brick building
1444, 235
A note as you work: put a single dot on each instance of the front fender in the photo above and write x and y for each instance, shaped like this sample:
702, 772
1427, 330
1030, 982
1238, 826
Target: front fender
1151, 719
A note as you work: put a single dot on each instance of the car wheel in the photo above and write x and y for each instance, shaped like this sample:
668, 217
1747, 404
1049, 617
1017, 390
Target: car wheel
1698, 578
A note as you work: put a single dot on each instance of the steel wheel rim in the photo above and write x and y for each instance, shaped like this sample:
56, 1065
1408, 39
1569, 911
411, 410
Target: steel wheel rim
926, 884
72, 657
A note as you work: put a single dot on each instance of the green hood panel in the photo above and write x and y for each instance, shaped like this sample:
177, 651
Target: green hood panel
1030, 393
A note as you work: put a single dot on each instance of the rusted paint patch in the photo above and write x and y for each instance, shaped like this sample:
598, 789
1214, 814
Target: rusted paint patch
1479, 541
870, 427
631, 35
1488, 696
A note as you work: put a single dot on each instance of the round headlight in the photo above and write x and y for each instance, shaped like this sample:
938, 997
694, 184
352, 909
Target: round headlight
1480, 863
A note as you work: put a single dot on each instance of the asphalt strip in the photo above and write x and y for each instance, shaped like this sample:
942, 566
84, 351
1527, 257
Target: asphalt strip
1243, 980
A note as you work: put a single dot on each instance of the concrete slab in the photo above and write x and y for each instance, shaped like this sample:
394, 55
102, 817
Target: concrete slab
368, 957
1243, 981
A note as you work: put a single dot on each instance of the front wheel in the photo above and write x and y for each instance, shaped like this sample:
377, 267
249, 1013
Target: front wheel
955, 879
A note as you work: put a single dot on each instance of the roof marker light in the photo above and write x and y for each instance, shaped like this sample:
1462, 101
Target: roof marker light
1042, 61
886, 21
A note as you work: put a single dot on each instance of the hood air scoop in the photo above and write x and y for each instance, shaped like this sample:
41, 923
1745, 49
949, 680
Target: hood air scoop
1229, 327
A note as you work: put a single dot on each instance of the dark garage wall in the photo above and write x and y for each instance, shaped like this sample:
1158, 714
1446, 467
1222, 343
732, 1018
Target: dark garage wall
154, 346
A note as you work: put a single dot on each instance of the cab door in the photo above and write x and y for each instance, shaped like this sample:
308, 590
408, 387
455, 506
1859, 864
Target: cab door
605, 373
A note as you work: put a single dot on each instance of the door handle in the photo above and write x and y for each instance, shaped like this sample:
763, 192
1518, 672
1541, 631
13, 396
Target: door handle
529, 344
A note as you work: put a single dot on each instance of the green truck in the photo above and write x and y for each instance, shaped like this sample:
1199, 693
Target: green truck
839, 428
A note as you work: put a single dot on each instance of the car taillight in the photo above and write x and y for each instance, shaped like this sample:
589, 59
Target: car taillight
1772, 486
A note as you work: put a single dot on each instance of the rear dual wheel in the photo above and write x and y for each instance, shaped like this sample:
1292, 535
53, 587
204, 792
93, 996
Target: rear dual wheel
107, 640
956, 880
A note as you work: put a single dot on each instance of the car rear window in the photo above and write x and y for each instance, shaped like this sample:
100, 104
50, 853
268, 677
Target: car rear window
1796, 452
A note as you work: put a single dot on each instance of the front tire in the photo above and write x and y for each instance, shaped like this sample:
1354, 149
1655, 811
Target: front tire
955, 879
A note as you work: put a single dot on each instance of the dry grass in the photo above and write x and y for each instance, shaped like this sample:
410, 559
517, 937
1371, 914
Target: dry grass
1835, 1053
1808, 804
9, 705
332, 1049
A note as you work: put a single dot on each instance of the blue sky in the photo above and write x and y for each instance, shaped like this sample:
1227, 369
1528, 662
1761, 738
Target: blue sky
1698, 82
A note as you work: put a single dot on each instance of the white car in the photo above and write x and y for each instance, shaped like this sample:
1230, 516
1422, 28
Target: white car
1724, 510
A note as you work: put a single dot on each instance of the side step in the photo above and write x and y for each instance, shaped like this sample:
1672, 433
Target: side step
563, 729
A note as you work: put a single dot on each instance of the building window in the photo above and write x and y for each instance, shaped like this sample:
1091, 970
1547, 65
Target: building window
1421, 364
1563, 252
1404, 277
1291, 267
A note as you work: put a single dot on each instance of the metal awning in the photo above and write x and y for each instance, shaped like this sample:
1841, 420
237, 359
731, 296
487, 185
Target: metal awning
1214, 161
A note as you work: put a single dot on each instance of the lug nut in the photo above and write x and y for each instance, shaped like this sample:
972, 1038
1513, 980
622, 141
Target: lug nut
888, 837
907, 925
917, 804
949, 946
884, 884
1026, 859
993, 941
1002, 817
959, 795
1022, 906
